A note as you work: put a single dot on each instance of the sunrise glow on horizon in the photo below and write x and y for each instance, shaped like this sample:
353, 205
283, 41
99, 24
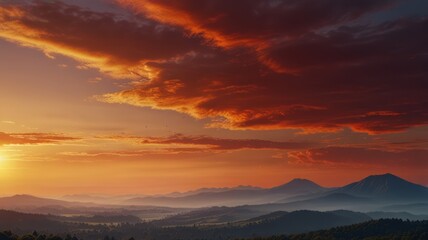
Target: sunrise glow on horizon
154, 96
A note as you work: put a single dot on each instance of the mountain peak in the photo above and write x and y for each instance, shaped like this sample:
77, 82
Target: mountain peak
385, 175
387, 180
300, 181
387, 186
298, 185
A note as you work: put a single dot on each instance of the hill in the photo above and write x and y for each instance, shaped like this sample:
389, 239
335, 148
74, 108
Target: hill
299, 221
415, 208
375, 229
397, 215
297, 186
29, 222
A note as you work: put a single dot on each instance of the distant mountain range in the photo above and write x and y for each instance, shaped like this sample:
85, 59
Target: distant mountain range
380, 192
299, 193
297, 206
370, 194
212, 190
37, 205
373, 193
26, 201
232, 196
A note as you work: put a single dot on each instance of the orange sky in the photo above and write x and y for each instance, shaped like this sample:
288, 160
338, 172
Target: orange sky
120, 97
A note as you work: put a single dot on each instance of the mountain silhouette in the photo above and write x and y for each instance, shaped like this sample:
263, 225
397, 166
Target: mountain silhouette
297, 186
386, 187
381, 188
23, 200
231, 196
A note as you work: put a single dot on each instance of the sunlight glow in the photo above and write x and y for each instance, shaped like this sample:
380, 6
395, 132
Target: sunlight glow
3, 157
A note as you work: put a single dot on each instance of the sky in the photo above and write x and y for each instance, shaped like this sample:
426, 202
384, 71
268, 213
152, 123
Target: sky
155, 96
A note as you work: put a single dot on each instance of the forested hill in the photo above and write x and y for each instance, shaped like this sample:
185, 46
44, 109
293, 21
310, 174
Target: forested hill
383, 229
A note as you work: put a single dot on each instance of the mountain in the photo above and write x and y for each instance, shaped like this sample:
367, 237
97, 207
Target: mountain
326, 202
25, 201
37, 205
330, 202
32, 204
370, 194
205, 190
231, 196
297, 186
380, 188
204, 199
87, 198
99, 199
386, 187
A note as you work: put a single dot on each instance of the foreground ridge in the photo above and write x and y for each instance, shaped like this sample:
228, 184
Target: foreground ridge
374, 229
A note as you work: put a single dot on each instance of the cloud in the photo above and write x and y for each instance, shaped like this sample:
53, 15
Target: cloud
253, 22
370, 79
222, 143
33, 138
360, 157
111, 43
259, 65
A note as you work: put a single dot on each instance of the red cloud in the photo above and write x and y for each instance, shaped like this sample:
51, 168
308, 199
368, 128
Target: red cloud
223, 144
32, 138
361, 157
111, 43
252, 22
272, 65
357, 80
